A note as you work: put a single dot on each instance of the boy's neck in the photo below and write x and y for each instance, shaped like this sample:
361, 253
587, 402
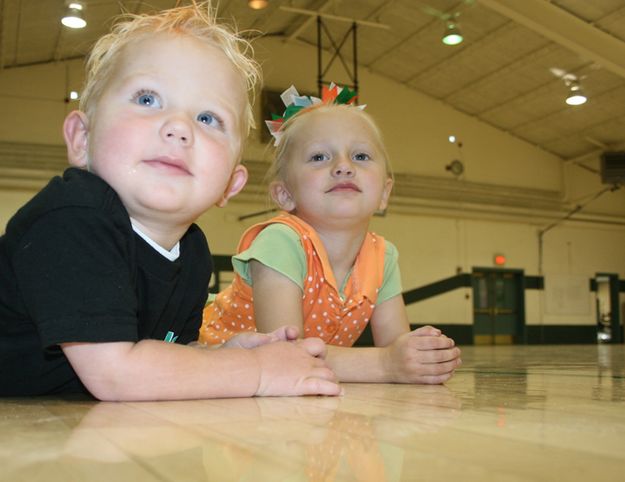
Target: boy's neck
172, 254
166, 239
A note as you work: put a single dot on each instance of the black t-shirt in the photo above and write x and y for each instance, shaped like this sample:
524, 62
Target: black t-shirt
73, 270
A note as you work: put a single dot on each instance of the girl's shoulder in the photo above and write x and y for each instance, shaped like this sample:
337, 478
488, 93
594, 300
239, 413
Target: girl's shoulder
390, 250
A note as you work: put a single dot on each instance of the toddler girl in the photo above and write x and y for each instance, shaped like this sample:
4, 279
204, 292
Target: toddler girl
316, 265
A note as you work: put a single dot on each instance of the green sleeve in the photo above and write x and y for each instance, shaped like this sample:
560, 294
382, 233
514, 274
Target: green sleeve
391, 284
277, 247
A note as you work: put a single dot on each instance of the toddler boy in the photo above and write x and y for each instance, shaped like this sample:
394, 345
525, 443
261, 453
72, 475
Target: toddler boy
103, 275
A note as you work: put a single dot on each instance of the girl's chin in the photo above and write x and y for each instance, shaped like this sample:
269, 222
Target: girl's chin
345, 218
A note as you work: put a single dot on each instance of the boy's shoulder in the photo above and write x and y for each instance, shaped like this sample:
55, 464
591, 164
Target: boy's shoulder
76, 188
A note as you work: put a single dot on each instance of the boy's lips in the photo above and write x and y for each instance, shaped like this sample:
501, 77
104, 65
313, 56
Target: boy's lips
170, 163
344, 186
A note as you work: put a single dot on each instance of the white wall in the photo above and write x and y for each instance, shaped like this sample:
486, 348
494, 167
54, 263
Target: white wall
32, 101
416, 127
434, 242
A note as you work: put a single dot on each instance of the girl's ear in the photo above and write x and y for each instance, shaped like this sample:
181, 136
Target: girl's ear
386, 193
281, 196
75, 132
237, 181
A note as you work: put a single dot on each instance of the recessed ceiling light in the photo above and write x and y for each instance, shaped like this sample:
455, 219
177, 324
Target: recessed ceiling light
452, 35
257, 4
73, 17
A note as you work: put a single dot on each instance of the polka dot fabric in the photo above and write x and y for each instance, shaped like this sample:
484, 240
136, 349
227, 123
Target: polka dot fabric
335, 320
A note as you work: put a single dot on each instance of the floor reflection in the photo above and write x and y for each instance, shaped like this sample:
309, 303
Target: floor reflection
610, 384
307, 439
510, 413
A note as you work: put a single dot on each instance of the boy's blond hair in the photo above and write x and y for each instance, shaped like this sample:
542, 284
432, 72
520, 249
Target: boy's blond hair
197, 20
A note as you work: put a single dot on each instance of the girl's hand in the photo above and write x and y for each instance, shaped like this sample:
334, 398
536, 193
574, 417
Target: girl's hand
423, 355
252, 339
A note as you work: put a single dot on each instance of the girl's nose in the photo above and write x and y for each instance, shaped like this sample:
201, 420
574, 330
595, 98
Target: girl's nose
177, 129
343, 167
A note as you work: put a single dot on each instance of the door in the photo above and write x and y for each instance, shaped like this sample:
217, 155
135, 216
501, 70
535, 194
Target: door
498, 306
609, 329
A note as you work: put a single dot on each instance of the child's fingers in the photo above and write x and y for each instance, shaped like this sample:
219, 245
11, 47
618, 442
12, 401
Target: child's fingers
320, 386
291, 332
431, 342
438, 368
314, 346
409, 342
439, 356
426, 331
431, 373
435, 379
244, 340
285, 333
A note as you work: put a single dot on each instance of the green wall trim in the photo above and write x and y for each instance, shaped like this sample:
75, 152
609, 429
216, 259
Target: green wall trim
461, 334
536, 335
462, 280
534, 282
561, 334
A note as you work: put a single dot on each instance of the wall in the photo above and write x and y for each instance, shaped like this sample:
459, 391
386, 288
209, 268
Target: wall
441, 225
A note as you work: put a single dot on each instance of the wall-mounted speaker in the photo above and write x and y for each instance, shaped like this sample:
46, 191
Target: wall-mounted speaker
613, 167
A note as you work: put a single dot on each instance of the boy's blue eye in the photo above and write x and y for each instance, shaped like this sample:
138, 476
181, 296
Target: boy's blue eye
209, 119
147, 99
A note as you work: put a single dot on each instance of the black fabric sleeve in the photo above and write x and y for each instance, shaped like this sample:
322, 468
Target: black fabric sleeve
72, 267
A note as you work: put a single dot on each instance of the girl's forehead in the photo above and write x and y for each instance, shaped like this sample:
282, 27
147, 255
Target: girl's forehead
335, 122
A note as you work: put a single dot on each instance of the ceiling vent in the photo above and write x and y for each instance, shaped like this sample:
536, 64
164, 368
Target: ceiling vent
613, 167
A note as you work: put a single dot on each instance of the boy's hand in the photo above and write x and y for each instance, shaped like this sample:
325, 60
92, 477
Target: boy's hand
252, 339
295, 369
422, 356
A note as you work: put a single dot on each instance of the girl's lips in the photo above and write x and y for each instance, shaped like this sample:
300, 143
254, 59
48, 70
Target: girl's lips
169, 163
344, 186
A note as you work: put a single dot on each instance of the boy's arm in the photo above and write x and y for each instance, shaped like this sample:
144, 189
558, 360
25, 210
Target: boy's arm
156, 370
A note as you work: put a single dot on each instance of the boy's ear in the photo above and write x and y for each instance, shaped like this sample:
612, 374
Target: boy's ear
236, 183
281, 196
386, 194
75, 132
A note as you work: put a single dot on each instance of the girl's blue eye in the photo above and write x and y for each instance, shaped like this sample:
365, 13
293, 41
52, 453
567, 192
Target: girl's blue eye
147, 99
209, 119
318, 157
361, 156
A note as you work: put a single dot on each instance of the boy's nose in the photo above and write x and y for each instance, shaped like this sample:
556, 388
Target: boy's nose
177, 129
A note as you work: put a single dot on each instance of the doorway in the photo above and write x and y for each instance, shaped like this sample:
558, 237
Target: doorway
609, 328
498, 306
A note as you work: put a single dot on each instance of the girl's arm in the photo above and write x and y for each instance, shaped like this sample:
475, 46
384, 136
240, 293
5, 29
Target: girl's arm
400, 355
277, 299
420, 356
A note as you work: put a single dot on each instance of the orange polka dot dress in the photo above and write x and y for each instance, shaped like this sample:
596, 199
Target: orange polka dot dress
337, 321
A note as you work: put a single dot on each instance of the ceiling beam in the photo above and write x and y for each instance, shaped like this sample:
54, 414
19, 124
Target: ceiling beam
565, 29
308, 22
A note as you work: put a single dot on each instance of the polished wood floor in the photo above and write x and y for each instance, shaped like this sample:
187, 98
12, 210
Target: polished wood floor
512, 413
